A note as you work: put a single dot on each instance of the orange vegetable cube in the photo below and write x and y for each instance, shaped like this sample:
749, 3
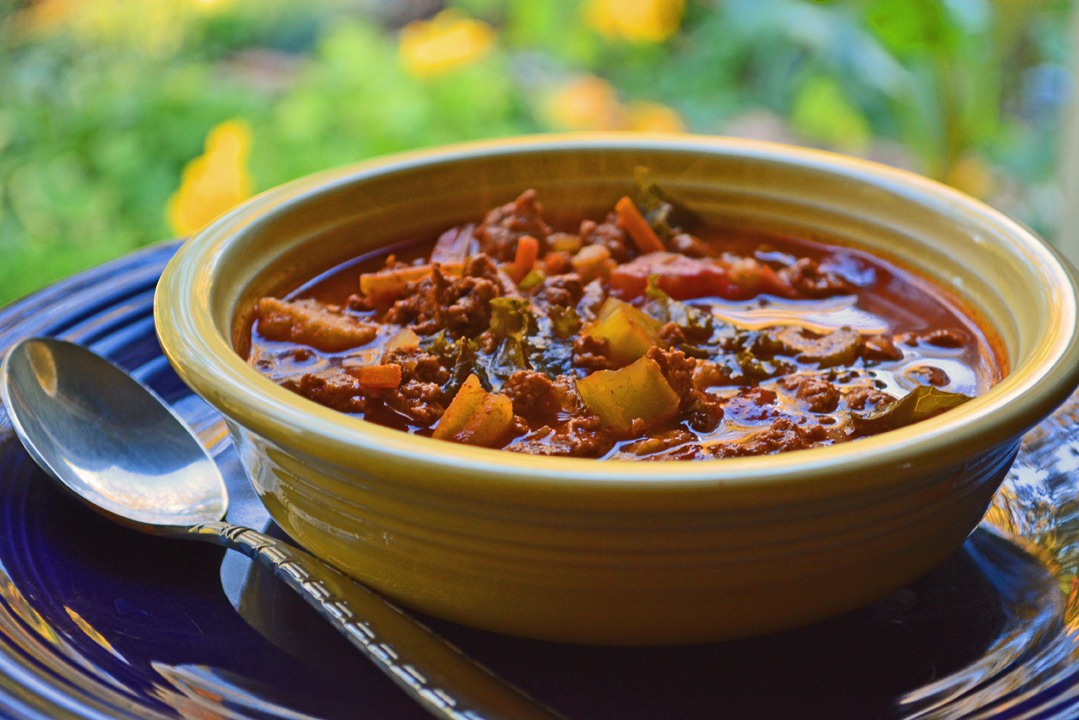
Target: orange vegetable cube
377, 377
593, 261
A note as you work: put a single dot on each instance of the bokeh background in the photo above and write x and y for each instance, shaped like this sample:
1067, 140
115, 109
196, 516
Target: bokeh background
126, 122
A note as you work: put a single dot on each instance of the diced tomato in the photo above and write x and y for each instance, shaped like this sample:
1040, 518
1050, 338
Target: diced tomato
681, 277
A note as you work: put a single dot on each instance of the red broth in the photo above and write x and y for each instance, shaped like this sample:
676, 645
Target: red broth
612, 340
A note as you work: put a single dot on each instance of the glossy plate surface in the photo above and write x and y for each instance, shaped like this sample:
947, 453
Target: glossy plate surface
98, 621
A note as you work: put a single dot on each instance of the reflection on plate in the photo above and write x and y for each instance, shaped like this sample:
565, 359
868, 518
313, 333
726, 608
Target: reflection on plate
97, 621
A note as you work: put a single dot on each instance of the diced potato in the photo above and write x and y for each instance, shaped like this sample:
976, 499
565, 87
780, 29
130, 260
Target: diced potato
404, 339
637, 391
475, 417
489, 425
629, 331
385, 286
564, 242
593, 261
533, 279
467, 401
645, 320
309, 322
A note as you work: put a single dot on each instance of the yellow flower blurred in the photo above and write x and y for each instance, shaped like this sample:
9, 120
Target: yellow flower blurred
590, 103
586, 103
215, 181
972, 175
636, 20
654, 117
446, 42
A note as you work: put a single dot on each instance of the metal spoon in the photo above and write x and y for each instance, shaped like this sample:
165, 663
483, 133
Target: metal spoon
121, 450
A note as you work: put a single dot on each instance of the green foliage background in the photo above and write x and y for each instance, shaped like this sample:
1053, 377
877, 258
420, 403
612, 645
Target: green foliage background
101, 107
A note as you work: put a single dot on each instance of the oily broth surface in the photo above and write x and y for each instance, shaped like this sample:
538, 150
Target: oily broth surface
886, 299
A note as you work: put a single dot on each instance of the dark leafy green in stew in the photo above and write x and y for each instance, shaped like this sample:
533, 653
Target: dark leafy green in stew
625, 337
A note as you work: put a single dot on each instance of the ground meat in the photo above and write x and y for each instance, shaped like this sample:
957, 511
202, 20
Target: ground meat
586, 437
689, 246
309, 322
610, 235
929, 375
661, 441
806, 278
466, 308
591, 353
751, 406
481, 266
502, 226
424, 402
532, 393
359, 303
580, 436
565, 290
341, 392
677, 370
557, 263
945, 338
460, 305
416, 365
880, 348
689, 451
839, 347
819, 395
783, 435
866, 398
420, 394
672, 334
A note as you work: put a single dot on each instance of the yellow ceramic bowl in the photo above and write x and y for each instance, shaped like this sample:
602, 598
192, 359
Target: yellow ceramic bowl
618, 552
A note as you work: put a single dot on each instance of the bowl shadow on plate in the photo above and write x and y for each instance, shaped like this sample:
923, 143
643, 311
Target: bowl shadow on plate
887, 660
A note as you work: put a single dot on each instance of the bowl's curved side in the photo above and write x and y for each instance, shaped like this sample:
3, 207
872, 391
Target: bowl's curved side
622, 578
849, 522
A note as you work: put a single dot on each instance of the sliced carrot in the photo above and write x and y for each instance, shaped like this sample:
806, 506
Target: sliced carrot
527, 252
377, 377
637, 226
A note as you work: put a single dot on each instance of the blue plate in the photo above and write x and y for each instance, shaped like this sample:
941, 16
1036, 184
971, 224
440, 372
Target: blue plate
97, 621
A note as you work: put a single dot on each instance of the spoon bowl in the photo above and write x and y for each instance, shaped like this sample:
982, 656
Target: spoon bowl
109, 440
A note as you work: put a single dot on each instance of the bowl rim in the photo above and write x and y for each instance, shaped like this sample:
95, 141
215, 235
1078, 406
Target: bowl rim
206, 360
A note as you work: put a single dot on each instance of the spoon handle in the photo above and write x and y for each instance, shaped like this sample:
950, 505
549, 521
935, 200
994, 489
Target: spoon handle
432, 671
